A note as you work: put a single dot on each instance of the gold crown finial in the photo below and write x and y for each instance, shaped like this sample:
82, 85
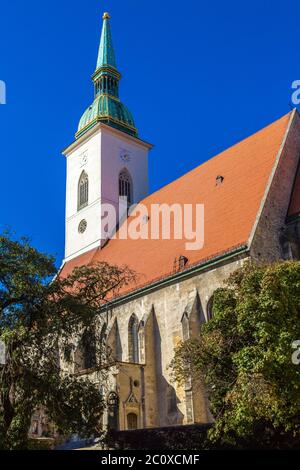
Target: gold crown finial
106, 16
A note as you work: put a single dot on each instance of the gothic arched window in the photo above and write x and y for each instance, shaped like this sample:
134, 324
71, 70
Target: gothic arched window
171, 400
125, 186
209, 308
83, 190
113, 343
103, 334
85, 352
88, 347
103, 343
133, 339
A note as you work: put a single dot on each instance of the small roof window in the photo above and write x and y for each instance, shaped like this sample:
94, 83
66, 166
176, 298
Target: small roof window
219, 180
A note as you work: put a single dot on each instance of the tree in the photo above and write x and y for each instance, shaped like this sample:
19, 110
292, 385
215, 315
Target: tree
40, 315
244, 356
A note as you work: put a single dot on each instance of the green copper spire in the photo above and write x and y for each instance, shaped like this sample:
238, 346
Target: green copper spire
107, 107
106, 55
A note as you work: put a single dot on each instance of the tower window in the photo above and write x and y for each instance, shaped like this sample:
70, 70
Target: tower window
83, 190
125, 186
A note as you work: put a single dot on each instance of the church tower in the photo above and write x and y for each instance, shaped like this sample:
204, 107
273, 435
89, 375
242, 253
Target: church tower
107, 162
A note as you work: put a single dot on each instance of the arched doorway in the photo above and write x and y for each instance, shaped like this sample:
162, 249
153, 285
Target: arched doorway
132, 421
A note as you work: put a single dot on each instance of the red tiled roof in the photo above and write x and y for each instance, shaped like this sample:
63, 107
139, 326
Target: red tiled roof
81, 260
230, 207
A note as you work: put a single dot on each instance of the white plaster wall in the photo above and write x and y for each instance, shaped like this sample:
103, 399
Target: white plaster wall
103, 149
75, 241
113, 147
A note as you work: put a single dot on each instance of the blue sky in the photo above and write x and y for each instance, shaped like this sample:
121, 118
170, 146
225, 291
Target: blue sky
197, 76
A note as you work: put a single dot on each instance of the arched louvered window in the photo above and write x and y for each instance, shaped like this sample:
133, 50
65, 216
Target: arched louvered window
133, 339
83, 190
125, 186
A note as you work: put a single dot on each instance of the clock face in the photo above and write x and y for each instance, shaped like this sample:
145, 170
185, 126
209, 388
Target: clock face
125, 156
83, 159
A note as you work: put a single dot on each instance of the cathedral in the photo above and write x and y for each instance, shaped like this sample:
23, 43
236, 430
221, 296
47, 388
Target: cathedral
250, 195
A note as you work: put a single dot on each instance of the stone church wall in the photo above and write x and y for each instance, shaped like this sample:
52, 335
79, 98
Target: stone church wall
161, 315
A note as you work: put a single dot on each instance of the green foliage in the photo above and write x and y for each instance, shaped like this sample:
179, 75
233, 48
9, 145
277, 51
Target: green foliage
40, 315
243, 354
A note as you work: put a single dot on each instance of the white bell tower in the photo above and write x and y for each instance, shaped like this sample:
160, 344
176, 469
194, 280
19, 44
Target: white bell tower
106, 161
